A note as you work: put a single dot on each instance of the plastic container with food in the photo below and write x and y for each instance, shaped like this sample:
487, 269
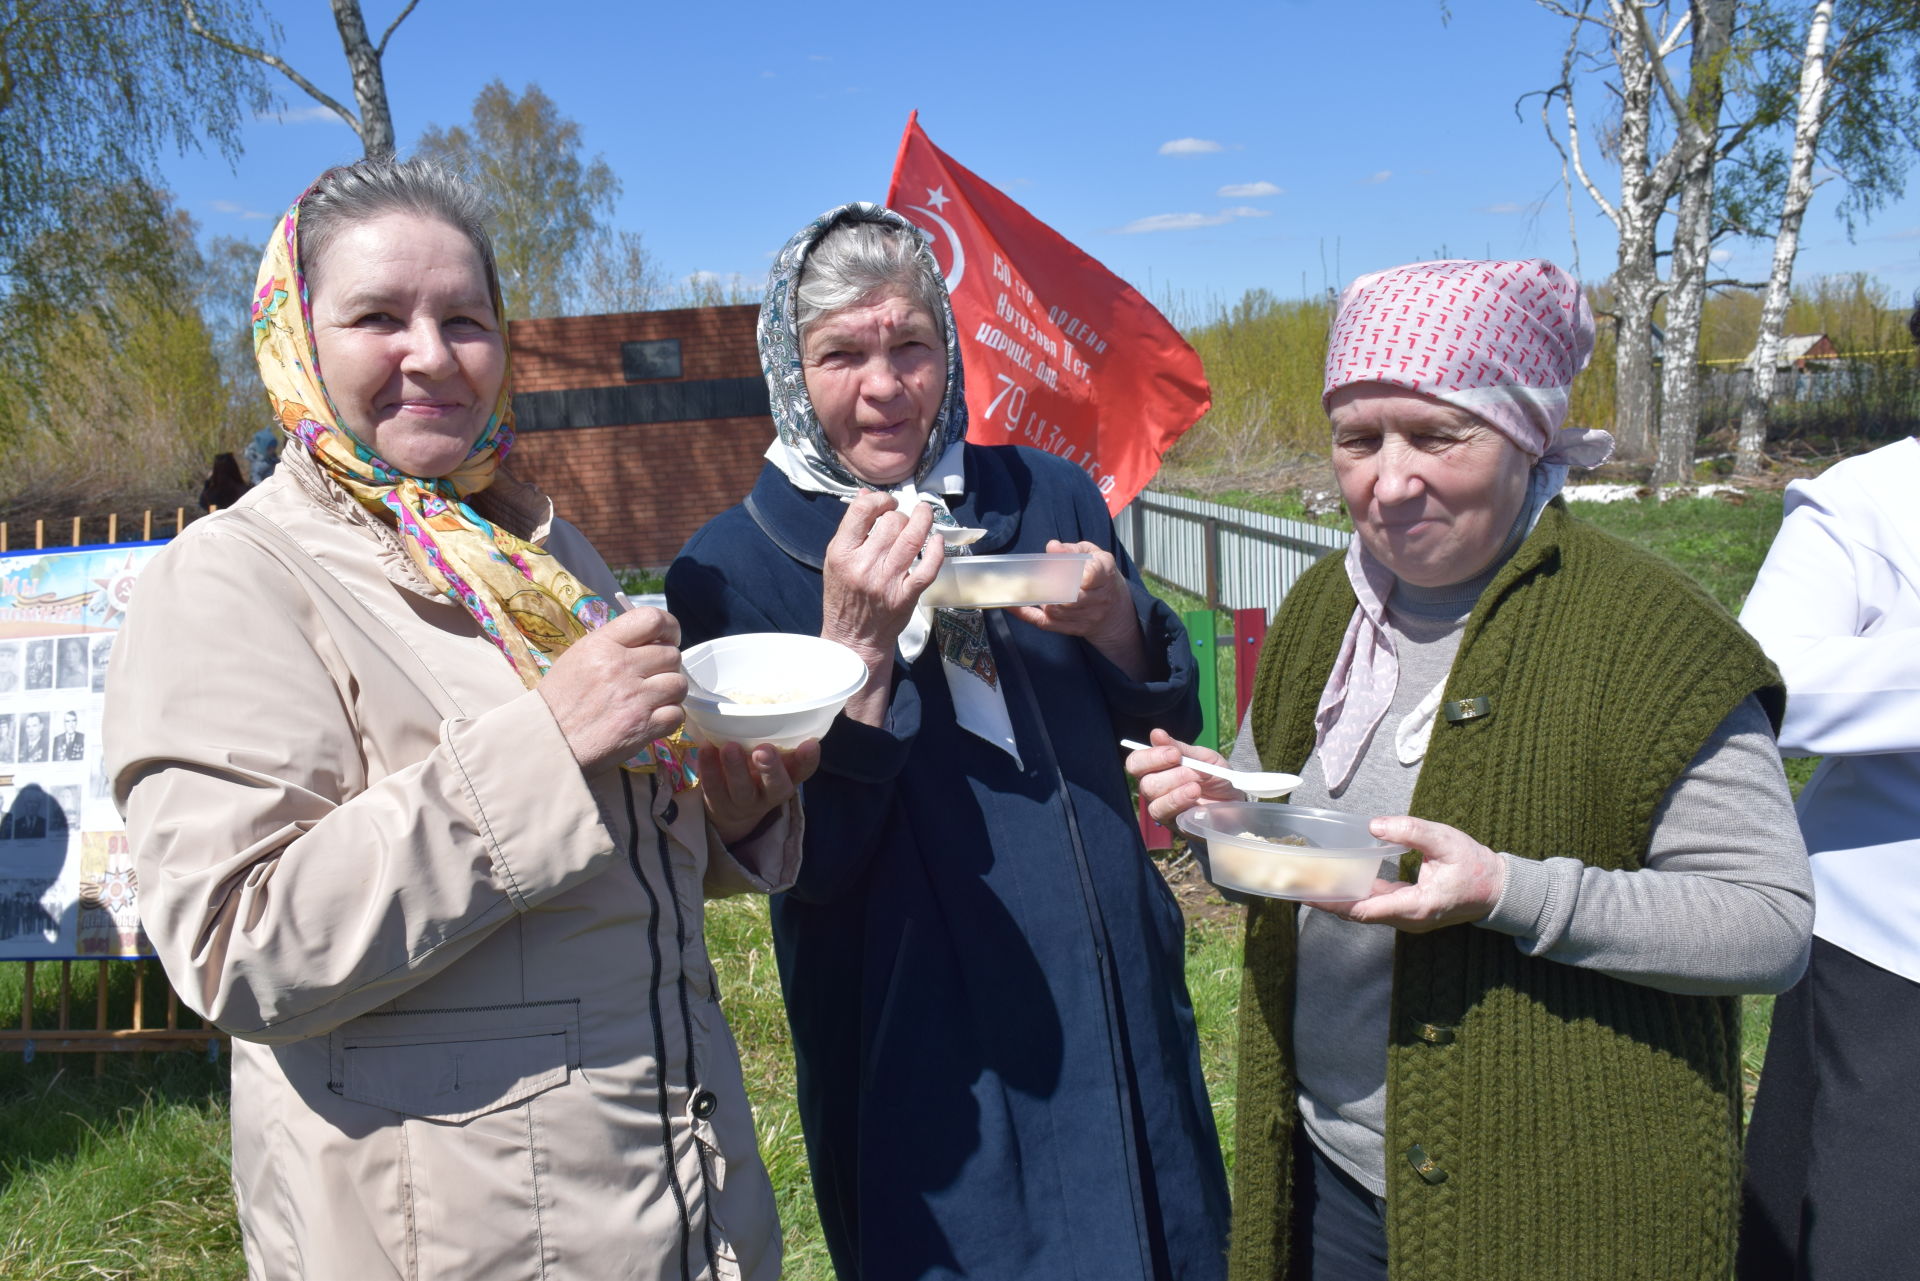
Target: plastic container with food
768, 687
994, 582
1289, 851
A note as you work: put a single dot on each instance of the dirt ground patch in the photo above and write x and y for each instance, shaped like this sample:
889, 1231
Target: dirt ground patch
1199, 902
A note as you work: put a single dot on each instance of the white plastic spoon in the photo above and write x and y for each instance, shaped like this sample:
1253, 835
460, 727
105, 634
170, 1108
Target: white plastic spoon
1260, 786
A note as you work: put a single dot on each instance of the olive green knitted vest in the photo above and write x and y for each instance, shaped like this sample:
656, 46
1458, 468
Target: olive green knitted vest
1543, 1121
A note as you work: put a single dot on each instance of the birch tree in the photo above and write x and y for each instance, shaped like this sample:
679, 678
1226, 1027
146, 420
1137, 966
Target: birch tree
1636, 50
1858, 108
1697, 121
373, 123
90, 90
547, 201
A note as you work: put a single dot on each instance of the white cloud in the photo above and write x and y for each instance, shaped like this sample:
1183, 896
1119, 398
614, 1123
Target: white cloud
1374, 180
1189, 221
229, 207
314, 115
1905, 233
1190, 147
1720, 257
1249, 190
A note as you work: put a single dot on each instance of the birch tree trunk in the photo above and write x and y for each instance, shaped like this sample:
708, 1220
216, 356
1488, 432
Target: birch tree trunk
369, 84
1692, 245
374, 123
1646, 183
1786, 242
1636, 276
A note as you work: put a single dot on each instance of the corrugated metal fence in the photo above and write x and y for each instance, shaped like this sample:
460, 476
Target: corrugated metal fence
1229, 557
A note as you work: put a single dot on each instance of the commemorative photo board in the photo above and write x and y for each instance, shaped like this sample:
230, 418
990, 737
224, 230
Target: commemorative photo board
67, 886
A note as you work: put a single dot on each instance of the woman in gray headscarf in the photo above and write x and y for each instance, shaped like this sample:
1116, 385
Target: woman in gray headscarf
999, 1075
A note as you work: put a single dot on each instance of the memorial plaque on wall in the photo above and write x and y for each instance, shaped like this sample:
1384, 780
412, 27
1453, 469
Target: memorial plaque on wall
67, 887
655, 358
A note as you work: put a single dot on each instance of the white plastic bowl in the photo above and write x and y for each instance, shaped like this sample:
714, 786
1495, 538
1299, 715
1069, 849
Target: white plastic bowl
1021, 578
805, 680
1338, 867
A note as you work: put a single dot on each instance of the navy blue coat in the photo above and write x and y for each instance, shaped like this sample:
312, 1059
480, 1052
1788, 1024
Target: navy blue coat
998, 1070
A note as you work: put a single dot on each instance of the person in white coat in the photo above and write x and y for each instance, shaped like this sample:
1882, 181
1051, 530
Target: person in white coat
1831, 1176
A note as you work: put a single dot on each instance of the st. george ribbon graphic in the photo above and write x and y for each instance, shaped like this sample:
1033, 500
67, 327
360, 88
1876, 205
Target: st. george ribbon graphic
1060, 354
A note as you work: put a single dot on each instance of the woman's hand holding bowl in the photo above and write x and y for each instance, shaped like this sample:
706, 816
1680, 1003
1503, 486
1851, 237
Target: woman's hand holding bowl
1460, 880
742, 787
1169, 787
618, 688
1102, 615
872, 584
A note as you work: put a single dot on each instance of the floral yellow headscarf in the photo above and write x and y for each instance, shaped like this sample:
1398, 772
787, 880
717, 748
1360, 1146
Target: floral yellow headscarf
524, 600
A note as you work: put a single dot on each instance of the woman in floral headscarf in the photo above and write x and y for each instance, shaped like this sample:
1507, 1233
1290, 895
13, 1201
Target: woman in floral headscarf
411, 816
1523, 1061
998, 1072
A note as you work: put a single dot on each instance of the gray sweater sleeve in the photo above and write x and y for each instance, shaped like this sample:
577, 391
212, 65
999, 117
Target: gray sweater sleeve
1725, 902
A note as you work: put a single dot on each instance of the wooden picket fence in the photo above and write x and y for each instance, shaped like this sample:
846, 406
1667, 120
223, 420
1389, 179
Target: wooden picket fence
179, 1030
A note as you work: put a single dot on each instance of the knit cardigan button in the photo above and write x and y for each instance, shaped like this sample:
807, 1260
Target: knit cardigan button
1425, 1166
1435, 1033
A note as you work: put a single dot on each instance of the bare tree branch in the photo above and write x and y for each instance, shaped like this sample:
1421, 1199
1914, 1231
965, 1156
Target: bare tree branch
272, 60
380, 50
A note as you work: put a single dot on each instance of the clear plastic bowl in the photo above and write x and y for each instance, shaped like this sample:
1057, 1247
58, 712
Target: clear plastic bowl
1338, 866
768, 687
1021, 578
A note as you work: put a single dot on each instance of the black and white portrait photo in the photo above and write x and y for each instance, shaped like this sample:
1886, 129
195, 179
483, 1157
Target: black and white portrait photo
39, 664
6, 738
33, 738
73, 663
102, 651
9, 666
69, 744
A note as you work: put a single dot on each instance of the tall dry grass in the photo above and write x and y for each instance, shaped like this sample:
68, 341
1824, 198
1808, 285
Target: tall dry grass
1264, 359
115, 415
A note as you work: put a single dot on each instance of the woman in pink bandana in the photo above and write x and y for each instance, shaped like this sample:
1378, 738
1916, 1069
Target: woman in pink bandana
1522, 1059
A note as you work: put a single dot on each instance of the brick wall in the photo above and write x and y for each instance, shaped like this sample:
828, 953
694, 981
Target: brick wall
639, 490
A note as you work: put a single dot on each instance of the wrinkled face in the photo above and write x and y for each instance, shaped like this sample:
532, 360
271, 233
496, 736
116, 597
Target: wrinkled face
409, 344
876, 372
1431, 488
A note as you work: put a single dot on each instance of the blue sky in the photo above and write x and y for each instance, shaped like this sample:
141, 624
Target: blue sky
1198, 150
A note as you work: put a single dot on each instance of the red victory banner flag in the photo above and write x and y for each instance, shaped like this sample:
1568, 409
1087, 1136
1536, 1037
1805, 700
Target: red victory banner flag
1060, 353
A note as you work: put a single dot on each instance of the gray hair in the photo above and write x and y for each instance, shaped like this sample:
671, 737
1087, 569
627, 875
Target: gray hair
856, 260
346, 195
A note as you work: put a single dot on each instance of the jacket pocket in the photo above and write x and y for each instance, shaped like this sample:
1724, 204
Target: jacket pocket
455, 1064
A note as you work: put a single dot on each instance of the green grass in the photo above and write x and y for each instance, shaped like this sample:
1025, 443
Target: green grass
126, 1175
1718, 543
119, 1175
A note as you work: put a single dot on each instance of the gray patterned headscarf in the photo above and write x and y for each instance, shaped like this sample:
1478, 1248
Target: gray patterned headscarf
779, 338
803, 453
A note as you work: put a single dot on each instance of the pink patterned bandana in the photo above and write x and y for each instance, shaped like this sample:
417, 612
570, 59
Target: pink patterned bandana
1501, 340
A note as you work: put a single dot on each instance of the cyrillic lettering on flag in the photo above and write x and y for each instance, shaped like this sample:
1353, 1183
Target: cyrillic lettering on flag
1060, 353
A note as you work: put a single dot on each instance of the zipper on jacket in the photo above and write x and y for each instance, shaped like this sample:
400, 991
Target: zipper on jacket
686, 1028
1016, 666
659, 1026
